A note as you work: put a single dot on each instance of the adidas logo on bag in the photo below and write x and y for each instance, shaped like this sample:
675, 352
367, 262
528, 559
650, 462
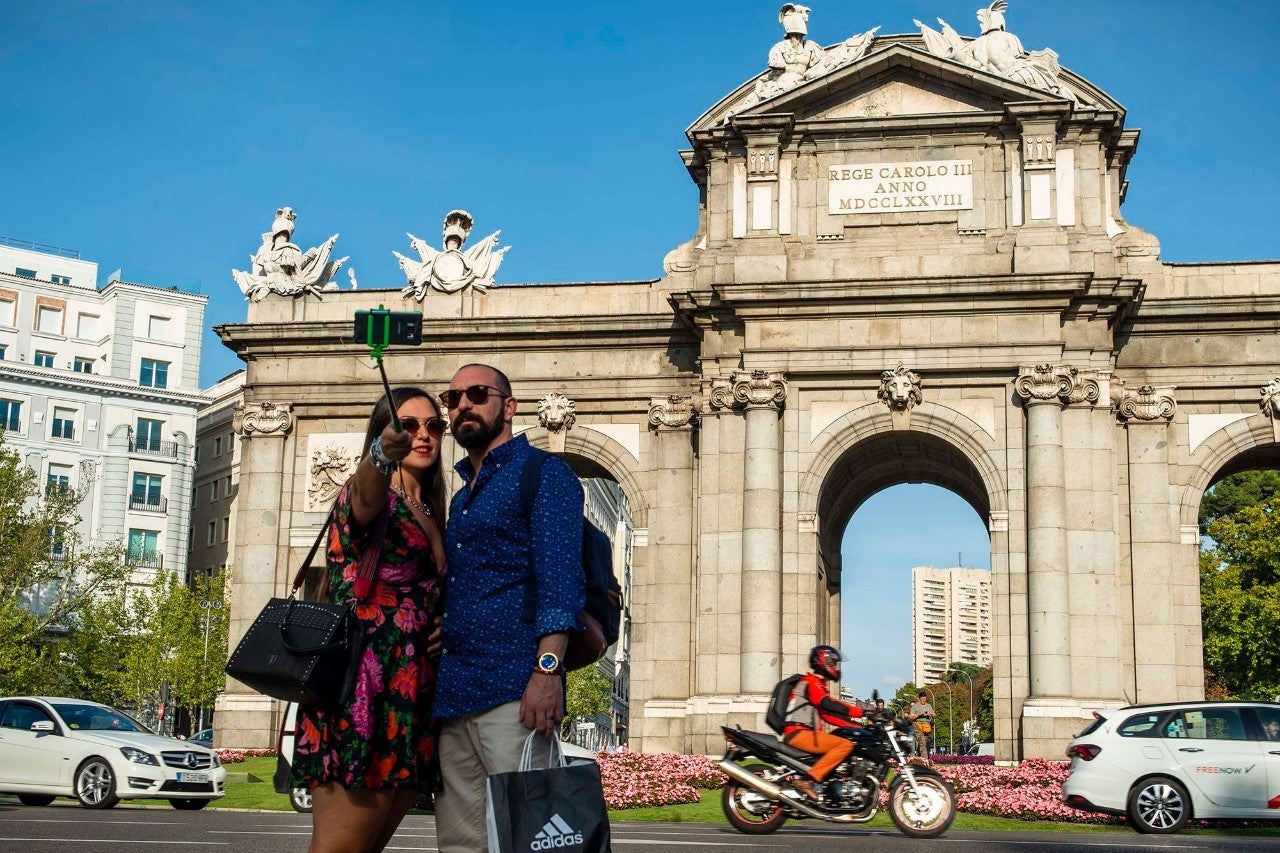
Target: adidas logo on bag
555, 834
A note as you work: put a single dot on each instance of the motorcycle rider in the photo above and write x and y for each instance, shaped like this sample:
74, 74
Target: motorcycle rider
812, 705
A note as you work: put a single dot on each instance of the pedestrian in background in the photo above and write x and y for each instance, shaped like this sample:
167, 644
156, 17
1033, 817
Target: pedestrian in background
922, 715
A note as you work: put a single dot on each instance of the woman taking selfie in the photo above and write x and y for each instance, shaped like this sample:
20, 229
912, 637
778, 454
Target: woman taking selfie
365, 762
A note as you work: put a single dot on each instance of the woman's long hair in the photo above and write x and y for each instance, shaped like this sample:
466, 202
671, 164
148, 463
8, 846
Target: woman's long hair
433, 480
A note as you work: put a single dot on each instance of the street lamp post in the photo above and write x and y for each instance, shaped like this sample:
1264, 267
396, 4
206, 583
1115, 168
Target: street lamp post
209, 607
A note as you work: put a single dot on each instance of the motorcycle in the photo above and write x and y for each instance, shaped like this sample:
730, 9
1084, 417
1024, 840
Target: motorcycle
758, 799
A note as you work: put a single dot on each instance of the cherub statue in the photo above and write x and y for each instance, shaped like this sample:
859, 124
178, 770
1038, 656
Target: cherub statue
998, 52
452, 269
281, 267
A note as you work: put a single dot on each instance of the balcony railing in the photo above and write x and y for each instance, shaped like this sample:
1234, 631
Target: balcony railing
146, 561
145, 504
154, 448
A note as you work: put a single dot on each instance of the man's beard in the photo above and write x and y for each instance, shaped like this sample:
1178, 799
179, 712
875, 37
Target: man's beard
477, 434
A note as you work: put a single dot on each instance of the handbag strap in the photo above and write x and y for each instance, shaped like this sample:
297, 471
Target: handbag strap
368, 563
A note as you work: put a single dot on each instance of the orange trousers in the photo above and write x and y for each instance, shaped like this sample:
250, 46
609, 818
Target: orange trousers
832, 749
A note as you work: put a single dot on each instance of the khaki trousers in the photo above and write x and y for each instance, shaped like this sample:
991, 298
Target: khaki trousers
473, 747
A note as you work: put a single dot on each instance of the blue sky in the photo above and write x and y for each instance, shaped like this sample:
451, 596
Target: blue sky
161, 137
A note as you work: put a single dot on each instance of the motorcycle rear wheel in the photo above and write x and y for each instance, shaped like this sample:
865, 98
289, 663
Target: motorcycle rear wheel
750, 811
927, 815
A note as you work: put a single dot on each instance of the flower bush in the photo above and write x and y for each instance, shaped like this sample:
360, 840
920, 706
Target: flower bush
235, 756
1030, 791
638, 779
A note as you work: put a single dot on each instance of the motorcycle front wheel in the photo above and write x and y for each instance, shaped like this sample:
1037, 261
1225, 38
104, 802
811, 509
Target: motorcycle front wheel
750, 811
926, 814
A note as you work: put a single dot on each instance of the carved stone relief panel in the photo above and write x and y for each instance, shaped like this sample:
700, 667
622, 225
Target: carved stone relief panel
331, 459
900, 389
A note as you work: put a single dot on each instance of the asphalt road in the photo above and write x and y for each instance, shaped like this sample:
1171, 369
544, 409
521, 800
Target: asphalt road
60, 828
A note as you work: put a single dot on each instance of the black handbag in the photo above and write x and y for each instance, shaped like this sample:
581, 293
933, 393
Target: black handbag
305, 651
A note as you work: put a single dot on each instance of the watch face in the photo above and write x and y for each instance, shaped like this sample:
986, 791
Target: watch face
548, 662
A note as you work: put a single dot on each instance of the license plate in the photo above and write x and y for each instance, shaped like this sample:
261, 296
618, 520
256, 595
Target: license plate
193, 777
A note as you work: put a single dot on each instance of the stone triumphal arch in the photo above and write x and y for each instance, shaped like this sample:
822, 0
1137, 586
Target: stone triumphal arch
910, 264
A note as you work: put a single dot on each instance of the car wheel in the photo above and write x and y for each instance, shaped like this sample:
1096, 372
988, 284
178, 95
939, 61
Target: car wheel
300, 799
1159, 806
96, 784
185, 804
36, 799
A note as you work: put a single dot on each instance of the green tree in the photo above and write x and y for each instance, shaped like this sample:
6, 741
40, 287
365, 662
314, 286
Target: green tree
1231, 494
587, 693
48, 576
1241, 630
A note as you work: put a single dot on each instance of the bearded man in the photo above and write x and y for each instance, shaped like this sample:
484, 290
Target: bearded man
500, 676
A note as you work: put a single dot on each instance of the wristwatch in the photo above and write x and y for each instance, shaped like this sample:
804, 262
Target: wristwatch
549, 664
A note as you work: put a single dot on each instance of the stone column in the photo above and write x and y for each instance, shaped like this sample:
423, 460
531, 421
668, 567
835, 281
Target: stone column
761, 393
245, 718
664, 595
1157, 587
1045, 390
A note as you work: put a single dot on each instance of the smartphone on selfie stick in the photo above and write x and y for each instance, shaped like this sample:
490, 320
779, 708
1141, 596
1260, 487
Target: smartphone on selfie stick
379, 328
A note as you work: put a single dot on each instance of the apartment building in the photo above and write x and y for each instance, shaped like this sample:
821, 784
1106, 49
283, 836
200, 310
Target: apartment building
217, 478
606, 507
99, 390
951, 620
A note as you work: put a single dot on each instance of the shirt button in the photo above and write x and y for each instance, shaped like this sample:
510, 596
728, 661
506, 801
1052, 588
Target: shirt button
459, 545
464, 512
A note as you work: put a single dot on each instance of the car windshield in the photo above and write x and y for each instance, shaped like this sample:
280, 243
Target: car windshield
95, 718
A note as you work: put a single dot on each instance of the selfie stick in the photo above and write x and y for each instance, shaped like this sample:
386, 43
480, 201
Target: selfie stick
382, 316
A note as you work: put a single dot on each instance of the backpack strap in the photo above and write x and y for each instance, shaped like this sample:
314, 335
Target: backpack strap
530, 479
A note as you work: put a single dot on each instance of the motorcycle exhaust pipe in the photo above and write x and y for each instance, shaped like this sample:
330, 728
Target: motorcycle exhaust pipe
773, 792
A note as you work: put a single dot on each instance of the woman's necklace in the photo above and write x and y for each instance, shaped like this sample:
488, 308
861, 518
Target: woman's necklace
419, 506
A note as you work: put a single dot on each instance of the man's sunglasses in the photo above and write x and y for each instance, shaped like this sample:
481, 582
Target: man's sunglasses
476, 394
434, 426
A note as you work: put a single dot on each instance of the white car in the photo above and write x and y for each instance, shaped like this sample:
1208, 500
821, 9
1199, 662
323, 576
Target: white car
1162, 765
72, 748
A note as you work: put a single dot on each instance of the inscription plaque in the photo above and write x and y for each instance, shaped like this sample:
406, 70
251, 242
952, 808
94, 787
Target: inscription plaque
900, 187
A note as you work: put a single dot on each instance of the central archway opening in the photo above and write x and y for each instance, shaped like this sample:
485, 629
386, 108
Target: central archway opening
905, 535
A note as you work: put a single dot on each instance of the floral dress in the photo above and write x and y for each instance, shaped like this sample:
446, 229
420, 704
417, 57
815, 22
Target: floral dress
384, 738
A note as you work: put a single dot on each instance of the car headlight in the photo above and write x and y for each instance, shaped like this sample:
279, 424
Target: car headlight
138, 756
217, 762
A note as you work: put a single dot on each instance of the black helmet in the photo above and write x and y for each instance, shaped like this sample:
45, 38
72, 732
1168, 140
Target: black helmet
825, 660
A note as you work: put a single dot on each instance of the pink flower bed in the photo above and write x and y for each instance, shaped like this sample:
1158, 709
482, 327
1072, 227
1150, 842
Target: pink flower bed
637, 779
1030, 791
235, 756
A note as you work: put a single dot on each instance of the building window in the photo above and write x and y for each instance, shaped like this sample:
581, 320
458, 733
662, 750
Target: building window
148, 434
217, 446
60, 279
226, 487
226, 527
3, 350
11, 415
87, 326
6, 312
25, 273
213, 491
49, 320
142, 547
213, 532
57, 543
158, 328
82, 365
64, 423
59, 478
154, 374
44, 359
146, 492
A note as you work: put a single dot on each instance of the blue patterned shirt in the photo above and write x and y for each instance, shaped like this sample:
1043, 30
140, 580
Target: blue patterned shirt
489, 650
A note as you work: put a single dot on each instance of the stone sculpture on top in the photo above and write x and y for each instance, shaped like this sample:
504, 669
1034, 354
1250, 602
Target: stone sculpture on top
796, 60
453, 269
998, 51
282, 268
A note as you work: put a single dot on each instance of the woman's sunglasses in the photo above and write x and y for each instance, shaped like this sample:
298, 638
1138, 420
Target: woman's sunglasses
476, 394
434, 426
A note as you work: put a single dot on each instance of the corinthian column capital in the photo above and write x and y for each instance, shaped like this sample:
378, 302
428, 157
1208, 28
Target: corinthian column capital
672, 412
264, 418
1148, 403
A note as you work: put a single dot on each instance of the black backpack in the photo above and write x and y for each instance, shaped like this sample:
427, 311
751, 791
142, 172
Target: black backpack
604, 593
775, 717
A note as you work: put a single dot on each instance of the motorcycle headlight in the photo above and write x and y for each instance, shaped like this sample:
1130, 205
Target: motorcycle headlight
138, 756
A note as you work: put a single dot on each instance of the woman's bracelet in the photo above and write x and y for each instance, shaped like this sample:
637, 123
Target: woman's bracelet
381, 461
